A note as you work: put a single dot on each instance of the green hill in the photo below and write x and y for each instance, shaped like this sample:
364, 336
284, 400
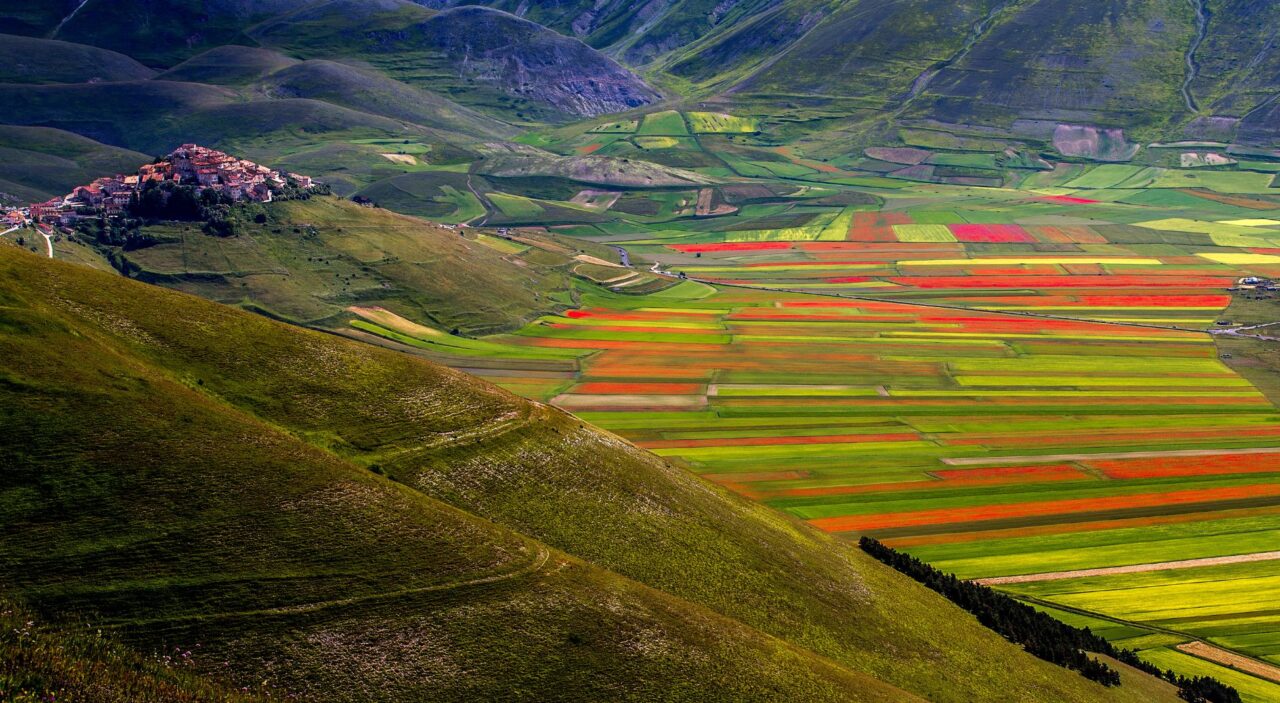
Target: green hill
270, 560
229, 65
202, 464
371, 92
308, 261
37, 163
263, 72
30, 60
162, 34
156, 116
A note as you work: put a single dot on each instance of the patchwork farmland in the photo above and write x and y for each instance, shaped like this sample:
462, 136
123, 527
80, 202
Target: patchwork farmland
1007, 381
988, 444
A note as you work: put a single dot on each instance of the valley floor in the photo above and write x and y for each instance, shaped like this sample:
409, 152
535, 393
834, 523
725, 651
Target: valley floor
1031, 393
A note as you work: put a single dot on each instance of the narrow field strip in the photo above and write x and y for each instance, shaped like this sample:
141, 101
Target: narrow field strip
1130, 569
1048, 458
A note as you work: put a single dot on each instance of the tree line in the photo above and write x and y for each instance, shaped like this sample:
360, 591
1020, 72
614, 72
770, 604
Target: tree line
1042, 635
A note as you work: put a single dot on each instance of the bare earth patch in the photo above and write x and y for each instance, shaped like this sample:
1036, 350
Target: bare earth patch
589, 259
1131, 568
1233, 660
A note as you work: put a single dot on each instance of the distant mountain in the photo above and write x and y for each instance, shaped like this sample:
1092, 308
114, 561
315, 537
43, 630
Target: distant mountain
635, 32
512, 63
1157, 68
474, 54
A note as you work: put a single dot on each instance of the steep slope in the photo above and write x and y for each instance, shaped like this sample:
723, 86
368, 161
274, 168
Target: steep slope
37, 163
990, 62
73, 662
29, 60
148, 493
873, 47
637, 32
483, 56
1239, 60
1118, 63
542, 472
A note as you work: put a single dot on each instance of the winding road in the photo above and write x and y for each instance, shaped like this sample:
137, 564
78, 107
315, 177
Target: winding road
68, 18
1193, 68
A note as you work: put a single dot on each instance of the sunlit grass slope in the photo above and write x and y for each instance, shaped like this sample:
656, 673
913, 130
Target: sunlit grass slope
201, 464
151, 496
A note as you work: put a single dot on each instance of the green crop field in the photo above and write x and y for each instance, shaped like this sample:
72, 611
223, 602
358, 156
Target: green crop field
973, 375
663, 124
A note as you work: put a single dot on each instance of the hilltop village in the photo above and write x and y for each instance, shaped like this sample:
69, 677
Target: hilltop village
202, 169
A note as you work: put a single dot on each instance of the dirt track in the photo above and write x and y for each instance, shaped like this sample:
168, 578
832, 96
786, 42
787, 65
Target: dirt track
1130, 569
1235, 661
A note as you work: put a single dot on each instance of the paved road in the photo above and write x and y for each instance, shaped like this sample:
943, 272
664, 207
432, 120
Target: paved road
1244, 331
623, 255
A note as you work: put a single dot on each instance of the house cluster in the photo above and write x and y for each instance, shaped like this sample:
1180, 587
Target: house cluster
1254, 283
189, 164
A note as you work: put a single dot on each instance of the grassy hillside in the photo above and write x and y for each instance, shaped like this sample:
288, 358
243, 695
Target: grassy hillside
372, 92
229, 65
156, 116
31, 60
638, 33
37, 163
310, 260
161, 34
1132, 51
530, 468
35, 17
75, 662
269, 561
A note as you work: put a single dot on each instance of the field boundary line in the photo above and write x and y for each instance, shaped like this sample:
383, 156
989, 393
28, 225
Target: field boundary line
1048, 458
1130, 568
956, 308
1223, 651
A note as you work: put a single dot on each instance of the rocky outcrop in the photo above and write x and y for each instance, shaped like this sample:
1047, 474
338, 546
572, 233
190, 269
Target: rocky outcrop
524, 59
